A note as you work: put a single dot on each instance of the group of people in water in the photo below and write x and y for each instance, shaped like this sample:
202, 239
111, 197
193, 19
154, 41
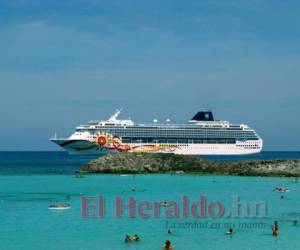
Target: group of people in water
134, 238
275, 228
131, 238
168, 245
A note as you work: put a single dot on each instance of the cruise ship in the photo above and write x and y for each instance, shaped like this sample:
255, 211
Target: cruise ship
201, 135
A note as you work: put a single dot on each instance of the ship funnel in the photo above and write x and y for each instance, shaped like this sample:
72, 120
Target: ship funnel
203, 116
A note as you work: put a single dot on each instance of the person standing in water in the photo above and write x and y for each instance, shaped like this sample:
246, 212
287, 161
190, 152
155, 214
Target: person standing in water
275, 229
168, 245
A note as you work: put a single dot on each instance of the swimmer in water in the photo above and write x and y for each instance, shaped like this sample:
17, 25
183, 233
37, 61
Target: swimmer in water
168, 245
275, 229
169, 231
275, 232
229, 231
129, 238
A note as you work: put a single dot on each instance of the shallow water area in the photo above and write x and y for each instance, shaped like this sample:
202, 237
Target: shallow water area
28, 223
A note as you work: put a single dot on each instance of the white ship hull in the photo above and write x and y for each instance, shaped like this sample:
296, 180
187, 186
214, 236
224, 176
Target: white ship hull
80, 147
84, 147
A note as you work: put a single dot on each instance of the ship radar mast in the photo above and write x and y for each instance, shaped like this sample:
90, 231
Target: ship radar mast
115, 115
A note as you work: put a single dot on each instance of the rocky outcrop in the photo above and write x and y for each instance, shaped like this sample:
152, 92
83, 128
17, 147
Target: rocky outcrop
169, 163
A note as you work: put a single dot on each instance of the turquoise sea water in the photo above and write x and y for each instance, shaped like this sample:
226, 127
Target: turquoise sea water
30, 182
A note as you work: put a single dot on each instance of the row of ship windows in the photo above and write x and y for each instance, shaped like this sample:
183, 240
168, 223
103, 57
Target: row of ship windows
178, 141
185, 135
249, 147
178, 132
190, 137
165, 130
162, 128
182, 133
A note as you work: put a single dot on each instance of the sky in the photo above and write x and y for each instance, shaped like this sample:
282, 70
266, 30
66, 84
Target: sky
63, 63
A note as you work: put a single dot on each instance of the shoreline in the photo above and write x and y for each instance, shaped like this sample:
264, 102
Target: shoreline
132, 163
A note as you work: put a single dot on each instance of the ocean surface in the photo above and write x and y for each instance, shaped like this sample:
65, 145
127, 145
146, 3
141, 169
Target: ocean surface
32, 181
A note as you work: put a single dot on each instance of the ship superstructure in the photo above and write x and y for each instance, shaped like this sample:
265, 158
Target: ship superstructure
201, 135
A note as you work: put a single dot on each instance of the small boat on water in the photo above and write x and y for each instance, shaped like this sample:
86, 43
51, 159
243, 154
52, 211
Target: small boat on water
60, 206
281, 189
164, 204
